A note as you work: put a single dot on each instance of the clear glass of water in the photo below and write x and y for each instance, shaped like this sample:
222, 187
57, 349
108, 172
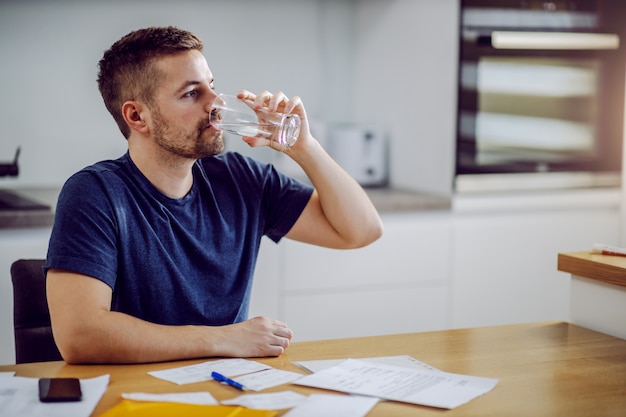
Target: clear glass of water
237, 116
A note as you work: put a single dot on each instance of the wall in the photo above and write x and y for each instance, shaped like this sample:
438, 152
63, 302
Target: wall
387, 63
405, 75
50, 104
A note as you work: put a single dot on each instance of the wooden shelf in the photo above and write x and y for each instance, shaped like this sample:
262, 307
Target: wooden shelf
606, 268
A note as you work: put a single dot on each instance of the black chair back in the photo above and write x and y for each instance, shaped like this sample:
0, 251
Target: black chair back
31, 318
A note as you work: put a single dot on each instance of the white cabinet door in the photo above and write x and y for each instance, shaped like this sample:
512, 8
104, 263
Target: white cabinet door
367, 312
397, 284
265, 299
505, 264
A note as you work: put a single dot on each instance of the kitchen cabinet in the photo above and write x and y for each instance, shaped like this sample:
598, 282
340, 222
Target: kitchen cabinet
505, 264
398, 284
433, 270
505, 257
15, 244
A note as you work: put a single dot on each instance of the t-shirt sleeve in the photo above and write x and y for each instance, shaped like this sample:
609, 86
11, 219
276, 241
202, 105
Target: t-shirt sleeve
281, 198
286, 199
83, 238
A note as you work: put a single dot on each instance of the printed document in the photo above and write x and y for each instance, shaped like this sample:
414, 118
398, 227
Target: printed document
258, 381
270, 401
197, 398
399, 360
324, 405
202, 371
19, 397
410, 385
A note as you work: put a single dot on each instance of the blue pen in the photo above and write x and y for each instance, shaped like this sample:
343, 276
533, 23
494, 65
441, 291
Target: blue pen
221, 378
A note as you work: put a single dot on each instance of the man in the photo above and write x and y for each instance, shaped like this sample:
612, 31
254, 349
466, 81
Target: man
152, 255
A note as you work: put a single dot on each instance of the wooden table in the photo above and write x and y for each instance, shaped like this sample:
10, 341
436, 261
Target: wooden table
544, 369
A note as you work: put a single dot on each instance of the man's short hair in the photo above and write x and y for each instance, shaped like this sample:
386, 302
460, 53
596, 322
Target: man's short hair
127, 71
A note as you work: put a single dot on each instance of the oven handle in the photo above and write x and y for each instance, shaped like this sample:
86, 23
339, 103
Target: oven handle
553, 40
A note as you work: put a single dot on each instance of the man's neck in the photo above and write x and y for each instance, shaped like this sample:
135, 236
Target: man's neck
170, 174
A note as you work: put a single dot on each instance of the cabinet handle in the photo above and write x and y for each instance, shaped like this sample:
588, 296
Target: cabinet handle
553, 40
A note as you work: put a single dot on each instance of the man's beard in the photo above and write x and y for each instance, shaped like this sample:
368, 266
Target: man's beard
193, 145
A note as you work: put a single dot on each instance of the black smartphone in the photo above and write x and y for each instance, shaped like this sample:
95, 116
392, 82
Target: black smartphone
59, 389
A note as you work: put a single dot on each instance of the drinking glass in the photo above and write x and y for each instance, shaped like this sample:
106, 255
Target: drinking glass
236, 116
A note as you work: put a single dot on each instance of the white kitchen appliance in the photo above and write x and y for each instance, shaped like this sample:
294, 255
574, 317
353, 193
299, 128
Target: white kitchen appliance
361, 151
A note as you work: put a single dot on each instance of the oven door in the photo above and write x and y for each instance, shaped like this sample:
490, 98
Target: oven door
540, 102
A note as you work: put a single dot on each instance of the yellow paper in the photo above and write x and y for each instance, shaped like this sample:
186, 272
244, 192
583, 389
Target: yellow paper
162, 409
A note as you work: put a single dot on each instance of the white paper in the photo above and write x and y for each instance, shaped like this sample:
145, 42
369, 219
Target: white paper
198, 398
400, 360
268, 378
202, 371
324, 405
19, 397
432, 388
270, 401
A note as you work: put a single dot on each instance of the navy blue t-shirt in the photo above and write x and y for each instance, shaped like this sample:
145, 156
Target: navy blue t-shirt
174, 261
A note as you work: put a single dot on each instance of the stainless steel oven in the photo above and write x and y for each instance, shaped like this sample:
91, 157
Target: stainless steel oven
540, 94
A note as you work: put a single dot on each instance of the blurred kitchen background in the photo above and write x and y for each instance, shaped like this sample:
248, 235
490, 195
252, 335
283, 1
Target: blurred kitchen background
387, 84
379, 64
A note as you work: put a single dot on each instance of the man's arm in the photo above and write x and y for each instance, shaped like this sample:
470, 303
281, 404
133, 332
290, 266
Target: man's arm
339, 214
87, 331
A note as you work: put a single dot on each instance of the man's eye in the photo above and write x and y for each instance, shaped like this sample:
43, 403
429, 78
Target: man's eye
191, 93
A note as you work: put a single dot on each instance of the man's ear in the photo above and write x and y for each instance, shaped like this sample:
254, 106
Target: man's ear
134, 113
